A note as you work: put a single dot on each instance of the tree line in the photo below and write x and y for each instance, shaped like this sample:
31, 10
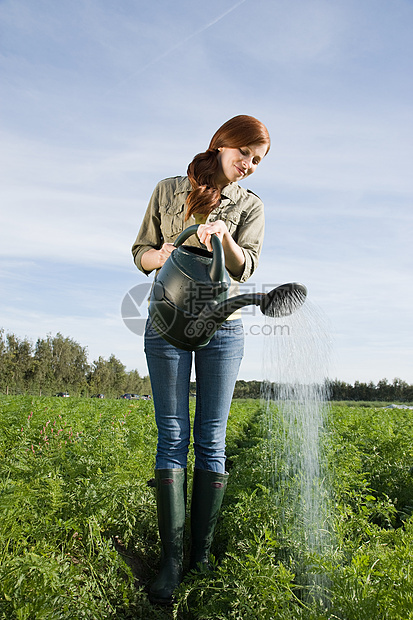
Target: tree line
383, 391
59, 364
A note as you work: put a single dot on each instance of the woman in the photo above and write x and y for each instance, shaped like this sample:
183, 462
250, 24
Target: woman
211, 197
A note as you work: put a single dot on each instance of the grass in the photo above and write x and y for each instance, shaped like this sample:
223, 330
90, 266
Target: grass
78, 536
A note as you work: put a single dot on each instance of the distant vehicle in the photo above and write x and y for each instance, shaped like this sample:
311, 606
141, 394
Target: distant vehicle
98, 396
63, 394
130, 396
146, 397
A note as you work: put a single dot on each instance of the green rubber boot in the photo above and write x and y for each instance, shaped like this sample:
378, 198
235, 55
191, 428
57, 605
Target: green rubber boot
207, 495
171, 507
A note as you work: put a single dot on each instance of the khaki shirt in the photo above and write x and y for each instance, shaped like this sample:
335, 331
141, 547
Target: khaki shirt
240, 209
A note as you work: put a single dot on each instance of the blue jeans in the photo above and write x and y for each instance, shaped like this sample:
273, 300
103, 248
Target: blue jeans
216, 368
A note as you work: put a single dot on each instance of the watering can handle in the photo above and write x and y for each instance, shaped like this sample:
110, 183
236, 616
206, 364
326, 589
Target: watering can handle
217, 268
185, 234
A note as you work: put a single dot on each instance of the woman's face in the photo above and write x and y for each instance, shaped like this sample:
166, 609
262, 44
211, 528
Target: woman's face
236, 164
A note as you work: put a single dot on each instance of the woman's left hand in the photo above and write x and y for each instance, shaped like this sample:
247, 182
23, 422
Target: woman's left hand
205, 231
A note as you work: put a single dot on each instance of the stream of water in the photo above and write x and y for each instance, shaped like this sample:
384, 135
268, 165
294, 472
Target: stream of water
295, 367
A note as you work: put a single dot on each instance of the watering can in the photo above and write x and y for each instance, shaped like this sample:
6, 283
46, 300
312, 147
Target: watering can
189, 298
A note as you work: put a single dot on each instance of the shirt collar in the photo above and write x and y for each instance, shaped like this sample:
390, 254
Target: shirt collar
231, 191
184, 186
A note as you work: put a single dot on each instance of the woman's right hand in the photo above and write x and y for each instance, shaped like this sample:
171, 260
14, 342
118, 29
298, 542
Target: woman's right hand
165, 252
154, 259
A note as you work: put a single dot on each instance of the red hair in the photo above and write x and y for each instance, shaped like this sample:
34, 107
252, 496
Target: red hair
239, 131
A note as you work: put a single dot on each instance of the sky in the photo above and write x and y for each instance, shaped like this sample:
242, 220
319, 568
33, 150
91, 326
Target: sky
103, 98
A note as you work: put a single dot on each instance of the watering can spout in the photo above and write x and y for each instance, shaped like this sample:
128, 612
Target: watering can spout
283, 300
280, 301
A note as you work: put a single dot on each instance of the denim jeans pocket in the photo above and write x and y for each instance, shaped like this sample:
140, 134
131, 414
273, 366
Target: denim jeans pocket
234, 326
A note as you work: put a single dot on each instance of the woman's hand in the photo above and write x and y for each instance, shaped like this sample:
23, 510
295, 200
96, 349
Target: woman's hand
234, 256
205, 231
154, 259
165, 252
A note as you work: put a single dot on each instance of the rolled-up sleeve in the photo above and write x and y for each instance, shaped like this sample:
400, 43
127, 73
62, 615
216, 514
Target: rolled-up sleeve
149, 235
250, 236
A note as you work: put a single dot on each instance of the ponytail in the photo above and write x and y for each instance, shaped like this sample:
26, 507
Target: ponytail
201, 172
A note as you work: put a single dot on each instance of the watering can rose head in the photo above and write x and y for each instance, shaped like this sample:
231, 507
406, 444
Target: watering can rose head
189, 299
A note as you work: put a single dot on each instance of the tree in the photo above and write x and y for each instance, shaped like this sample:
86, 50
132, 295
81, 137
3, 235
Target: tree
43, 376
338, 390
400, 389
4, 381
109, 377
69, 364
100, 377
118, 375
134, 383
384, 390
16, 363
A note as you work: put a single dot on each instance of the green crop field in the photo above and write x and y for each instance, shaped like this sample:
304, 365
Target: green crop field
78, 519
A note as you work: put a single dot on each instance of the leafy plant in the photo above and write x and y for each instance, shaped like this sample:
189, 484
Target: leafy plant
78, 534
